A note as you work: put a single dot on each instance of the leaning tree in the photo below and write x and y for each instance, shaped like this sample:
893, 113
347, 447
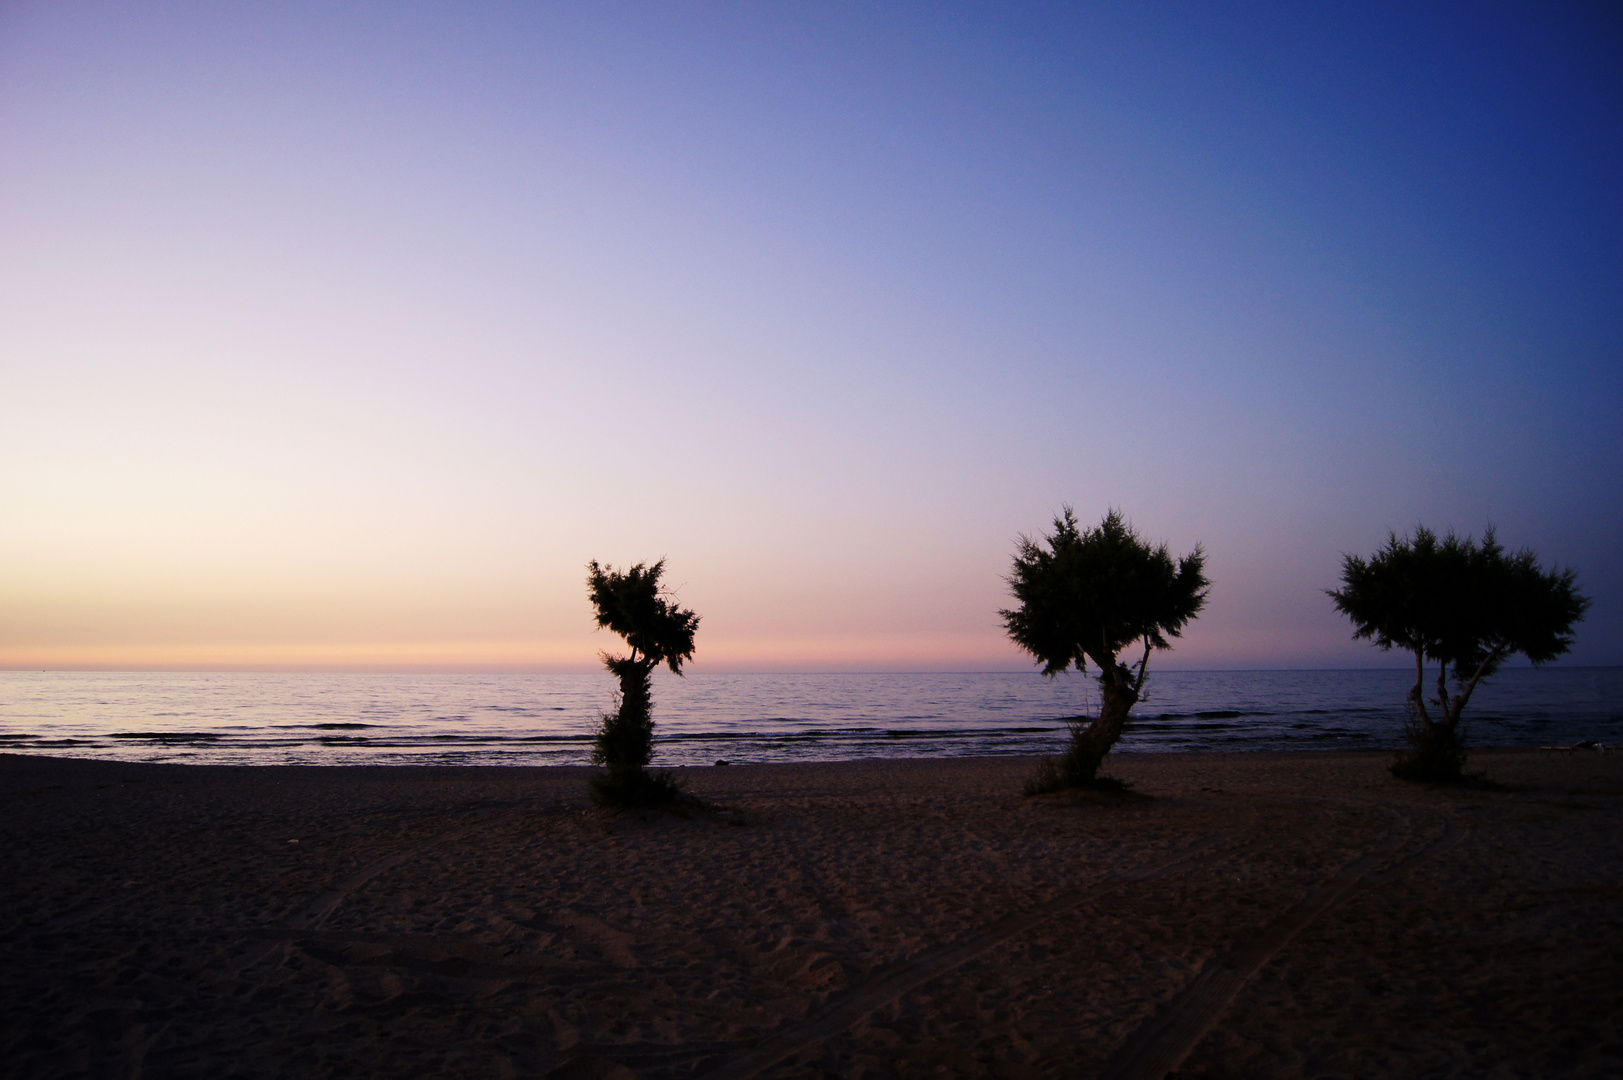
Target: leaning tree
1465, 607
1087, 595
631, 604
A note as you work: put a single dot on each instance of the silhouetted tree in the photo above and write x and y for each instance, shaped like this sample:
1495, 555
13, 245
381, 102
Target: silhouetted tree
1086, 596
1465, 607
631, 604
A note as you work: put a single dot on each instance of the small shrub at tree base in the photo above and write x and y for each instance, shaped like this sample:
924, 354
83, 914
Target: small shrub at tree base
1062, 774
1466, 608
1436, 754
633, 788
1053, 775
631, 604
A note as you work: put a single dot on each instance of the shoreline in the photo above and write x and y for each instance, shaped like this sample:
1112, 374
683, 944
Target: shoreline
299, 719
882, 917
1032, 758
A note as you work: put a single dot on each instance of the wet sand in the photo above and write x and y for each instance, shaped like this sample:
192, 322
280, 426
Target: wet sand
1257, 915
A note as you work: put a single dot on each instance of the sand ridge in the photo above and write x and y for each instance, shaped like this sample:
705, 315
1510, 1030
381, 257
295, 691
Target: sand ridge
1262, 914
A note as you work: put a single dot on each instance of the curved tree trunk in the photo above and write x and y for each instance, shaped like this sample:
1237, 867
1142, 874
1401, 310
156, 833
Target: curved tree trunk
1089, 745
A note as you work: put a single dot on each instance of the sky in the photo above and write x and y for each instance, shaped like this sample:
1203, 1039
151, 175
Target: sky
344, 335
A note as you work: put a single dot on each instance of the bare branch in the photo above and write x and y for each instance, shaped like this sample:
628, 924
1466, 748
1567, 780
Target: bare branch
1482, 669
1143, 663
1418, 694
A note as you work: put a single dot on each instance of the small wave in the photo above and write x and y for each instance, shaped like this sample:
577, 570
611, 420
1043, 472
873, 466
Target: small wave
438, 739
852, 735
58, 742
167, 736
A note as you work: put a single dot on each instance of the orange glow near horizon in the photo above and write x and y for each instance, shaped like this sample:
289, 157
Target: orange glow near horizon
458, 655
883, 652
824, 652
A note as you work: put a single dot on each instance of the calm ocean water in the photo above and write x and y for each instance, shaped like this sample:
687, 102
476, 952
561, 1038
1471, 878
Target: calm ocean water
533, 719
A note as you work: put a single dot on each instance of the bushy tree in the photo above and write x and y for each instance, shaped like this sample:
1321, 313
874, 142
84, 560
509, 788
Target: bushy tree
631, 604
1087, 595
1466, 607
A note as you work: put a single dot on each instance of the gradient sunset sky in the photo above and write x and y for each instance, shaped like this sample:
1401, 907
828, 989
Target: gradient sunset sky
345, 334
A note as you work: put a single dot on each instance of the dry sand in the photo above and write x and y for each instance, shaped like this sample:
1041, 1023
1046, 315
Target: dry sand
1259, 915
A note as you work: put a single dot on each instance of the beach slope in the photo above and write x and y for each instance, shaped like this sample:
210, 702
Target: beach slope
1248, 914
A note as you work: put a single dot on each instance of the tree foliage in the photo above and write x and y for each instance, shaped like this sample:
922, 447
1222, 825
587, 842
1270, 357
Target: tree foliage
630, 603
1467, 608
1085, 596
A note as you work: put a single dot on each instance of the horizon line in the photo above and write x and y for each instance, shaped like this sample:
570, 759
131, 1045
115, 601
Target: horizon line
429, 669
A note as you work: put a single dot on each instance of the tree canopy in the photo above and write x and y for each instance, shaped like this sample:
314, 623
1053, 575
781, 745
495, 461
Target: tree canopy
631, 604
1089, 594
1465, 605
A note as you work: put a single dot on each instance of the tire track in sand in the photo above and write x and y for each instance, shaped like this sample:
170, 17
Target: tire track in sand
868, 997
1158, 1046
318, 908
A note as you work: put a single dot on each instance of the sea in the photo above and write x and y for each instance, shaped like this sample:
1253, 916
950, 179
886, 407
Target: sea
327, 718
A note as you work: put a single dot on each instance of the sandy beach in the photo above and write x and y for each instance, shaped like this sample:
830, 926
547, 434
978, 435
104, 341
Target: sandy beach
1296, 915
